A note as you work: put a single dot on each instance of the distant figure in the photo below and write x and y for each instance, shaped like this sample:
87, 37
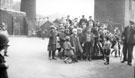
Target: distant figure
3, 65
128, 37
83, 20
76, 23
69, 20
90, 20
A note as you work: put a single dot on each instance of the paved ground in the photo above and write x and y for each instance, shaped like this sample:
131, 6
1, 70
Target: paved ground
28, 59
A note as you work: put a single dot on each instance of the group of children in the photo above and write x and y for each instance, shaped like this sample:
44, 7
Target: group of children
80, 42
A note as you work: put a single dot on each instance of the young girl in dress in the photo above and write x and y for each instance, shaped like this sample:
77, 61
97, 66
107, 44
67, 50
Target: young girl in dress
107, 49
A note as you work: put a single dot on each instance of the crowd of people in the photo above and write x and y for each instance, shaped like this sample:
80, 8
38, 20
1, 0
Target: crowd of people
82, 40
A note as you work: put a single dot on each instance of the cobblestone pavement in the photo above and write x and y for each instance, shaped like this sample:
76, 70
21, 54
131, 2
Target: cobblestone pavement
28, 59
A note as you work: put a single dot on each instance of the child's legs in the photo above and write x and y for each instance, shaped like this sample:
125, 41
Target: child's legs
87, 49
62, 52
104, 53
74, 59
116, 53
107, 59
91, 49
59, 49
53, 54
119, 47
53, 50
88, 53
107, 56
50, 53
81, 56
119, 52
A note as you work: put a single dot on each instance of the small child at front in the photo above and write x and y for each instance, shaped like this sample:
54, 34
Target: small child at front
107, 49
68, 50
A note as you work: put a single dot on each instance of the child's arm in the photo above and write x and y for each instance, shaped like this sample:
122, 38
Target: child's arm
110, 45
71, 46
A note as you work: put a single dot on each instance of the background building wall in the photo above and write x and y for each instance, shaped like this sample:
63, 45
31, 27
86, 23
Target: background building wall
112, 10
129, 11
29, 6
118, 11
6, 4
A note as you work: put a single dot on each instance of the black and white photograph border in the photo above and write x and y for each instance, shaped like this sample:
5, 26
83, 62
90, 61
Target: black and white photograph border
67, 38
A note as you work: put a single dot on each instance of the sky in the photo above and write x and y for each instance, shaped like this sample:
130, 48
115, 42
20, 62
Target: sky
74, 8
16, 0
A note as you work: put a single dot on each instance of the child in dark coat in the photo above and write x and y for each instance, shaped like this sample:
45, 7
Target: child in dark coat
52, 43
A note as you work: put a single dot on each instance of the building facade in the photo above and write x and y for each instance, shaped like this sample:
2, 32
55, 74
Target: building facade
117, 11
29, 6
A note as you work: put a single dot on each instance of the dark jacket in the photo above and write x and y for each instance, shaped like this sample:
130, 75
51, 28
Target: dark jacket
3, 68
62, 38
52, 41
76, 43
128, 35
92, 38
81, 36
83, 20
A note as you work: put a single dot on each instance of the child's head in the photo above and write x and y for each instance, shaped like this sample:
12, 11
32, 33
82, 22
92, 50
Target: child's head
67, 38
74, 31
79, 30
3, 42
